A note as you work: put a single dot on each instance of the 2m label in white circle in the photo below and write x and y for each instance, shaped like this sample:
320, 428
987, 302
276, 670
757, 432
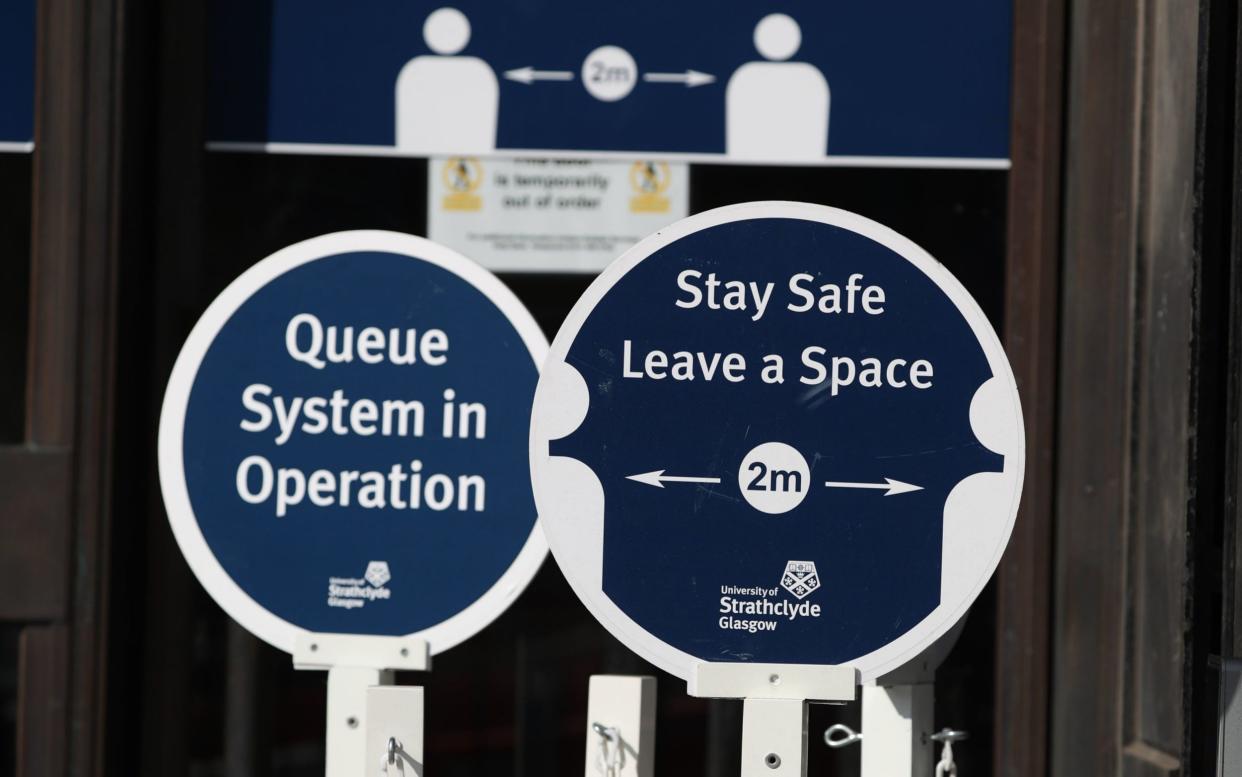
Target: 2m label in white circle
774, 478
609, 73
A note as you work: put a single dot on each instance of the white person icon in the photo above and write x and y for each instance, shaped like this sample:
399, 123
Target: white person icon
447, 103
777, 110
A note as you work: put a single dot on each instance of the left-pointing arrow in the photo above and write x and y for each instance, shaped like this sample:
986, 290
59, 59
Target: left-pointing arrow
527, 75
657, 478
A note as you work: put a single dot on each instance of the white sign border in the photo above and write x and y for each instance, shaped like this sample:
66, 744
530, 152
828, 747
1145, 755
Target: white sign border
924, 634
239, 605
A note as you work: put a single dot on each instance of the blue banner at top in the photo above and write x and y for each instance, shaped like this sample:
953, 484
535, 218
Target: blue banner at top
17, 61
884, 82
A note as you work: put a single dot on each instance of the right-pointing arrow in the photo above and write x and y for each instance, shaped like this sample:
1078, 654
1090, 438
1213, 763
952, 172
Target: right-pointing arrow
890, 487
690, 78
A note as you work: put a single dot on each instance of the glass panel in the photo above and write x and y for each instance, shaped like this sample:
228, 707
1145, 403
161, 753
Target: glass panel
9, 633
17, 60
15, 171
511, 700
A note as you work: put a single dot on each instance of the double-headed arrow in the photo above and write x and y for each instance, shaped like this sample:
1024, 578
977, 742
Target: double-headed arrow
890, 487
529, 75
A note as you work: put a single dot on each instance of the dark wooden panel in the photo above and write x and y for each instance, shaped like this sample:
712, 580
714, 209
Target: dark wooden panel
34, 493
60, 94
1024, 579
1164, 473
97, 257
1092, 497
72, 324
42, 728
1126, 471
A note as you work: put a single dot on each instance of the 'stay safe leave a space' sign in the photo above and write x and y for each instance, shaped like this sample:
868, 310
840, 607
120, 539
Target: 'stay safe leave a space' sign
778, 433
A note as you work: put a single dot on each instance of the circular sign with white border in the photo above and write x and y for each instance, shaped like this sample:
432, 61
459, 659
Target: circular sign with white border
777, 432
343, 443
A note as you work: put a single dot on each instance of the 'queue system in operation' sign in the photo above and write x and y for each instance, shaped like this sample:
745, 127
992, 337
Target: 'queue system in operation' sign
777, 433
343, 443
880, 83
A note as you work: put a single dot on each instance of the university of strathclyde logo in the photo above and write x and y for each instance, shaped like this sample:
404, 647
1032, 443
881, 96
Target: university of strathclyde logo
377, 573
352, 593
800, 578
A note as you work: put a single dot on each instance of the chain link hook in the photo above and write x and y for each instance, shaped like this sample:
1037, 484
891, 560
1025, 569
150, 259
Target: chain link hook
840, 735
946, 767
609, 760
392, 758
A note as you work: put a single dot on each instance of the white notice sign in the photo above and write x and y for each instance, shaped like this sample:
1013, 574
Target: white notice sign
550, 215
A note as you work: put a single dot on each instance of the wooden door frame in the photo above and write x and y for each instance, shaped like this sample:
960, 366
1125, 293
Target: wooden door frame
1127, 412
1024, 579
60, 476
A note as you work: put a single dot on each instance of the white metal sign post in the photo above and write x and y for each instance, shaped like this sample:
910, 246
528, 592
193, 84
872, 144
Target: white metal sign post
355, 666
774, 718
346, 475
620, 734
898, 730
777, 451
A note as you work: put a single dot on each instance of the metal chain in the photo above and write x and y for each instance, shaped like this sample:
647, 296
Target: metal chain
391, 762
609, 760
946, 766
839, 735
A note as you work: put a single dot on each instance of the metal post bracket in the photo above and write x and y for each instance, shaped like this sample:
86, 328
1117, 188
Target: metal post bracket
324, 651
809, 682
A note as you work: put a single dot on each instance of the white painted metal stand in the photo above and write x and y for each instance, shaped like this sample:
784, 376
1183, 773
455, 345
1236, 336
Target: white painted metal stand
620, 726
774, 717
897, 730
358, 719
898, 714
394, 731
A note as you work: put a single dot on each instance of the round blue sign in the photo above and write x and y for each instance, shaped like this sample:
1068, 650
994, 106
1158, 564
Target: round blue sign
343, 443
777, 433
